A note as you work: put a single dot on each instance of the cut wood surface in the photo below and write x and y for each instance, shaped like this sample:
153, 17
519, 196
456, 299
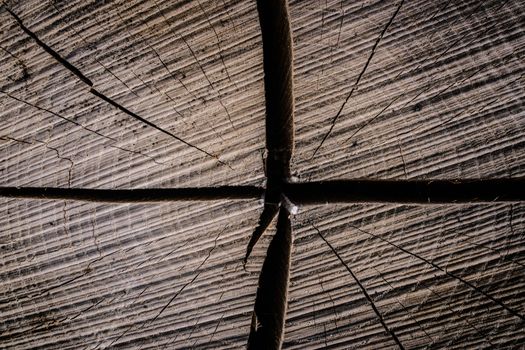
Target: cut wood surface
437, 94
442, 96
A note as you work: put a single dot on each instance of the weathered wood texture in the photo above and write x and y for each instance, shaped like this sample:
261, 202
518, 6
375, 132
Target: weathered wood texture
449, 77
93, 275
442, 96
197, 74
424, 306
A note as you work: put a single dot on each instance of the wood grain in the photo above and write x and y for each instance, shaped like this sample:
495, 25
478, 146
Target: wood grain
441, 98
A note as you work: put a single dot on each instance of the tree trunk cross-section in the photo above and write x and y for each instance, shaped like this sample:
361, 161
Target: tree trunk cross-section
167, 102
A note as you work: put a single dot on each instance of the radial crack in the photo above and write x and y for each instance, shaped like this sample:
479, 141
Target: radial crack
218, 42
69, 120
49, 50
403, 306
363, 290
456, 313
135, 195
407, 191
354, 87
278, 88
46, 145
175, 296
147, 122
92, 47
88, 82
445, 271
267, 327
194, 55
267, 215
192, 280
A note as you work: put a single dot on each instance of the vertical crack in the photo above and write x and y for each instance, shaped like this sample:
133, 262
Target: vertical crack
278, 87
269, 212
94, 235
334, 310
267, 327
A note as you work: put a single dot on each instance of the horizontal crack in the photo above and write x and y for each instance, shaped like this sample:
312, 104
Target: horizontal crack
134, 195
342, 191
407, 191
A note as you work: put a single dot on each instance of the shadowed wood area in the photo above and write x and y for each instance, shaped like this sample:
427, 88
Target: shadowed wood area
165, 101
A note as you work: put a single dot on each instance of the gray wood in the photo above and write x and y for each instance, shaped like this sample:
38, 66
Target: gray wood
449, 77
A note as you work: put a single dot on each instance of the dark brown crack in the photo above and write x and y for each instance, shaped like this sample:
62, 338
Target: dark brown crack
192, 280
156, 53
278, 87
91, 46
500, 254
267, 215
456, 313
403, 305
267, 327
174, 297
363, 290
334, 309
148, 322
343, 191
49, 50
118, 338
411, 191
46, 145
356, 84
69, 120
218, 42
439, 10
194, 55
23, 76
212, 249
94, 235
216, 327
279, 132
84, 273
372, 119
430, 85
135, 195
88, 308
